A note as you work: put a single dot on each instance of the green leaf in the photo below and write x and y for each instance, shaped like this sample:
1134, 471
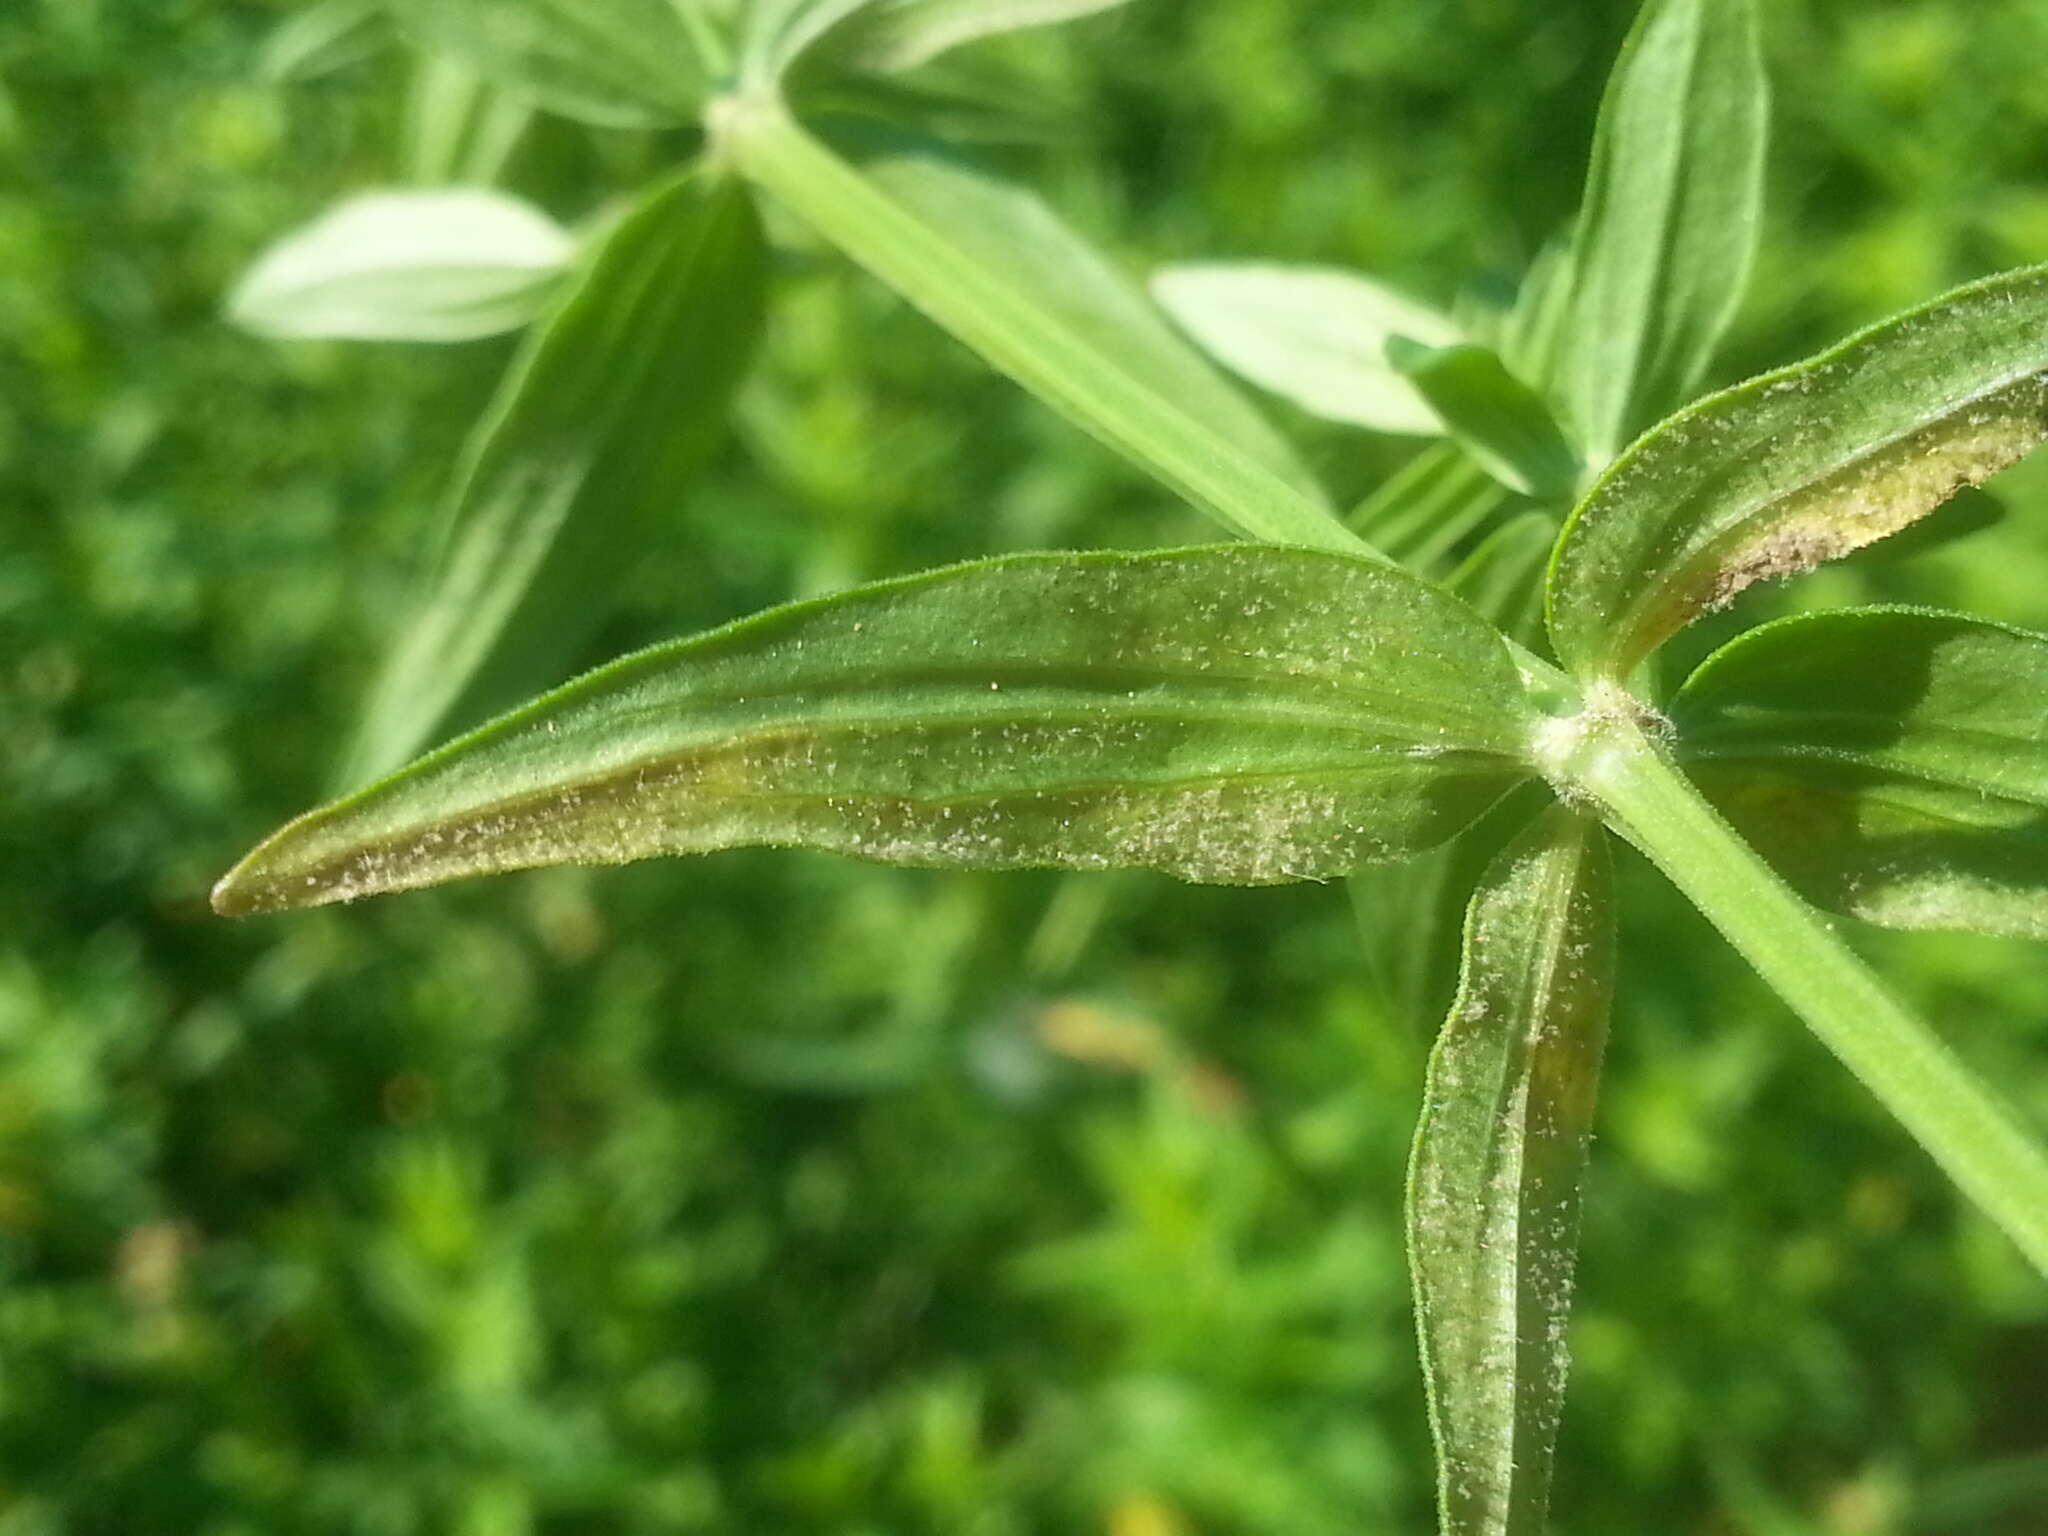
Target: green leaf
460, 128
1801, 466
450, 264
1499, 420
902, 34
1410, 913
592, 440
1892, 762
1432, 505
322, 39
1242, 714
1493, 1190
993, 265
1669, 226
780, 32
614, 63
1315, 335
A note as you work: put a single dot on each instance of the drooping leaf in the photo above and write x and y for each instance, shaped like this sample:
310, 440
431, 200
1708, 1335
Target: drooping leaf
994, 266
1892, 762
1499, 420
595, 433
1775, 476
614, 63
1315, 335
1672, 210
449, 264
1493, 1192
902, 34
1410, 914
1241, 714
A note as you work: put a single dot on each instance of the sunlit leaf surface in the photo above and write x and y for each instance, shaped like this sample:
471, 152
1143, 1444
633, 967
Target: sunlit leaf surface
1245, 715
1798, 467
1499, 1155
1892, 762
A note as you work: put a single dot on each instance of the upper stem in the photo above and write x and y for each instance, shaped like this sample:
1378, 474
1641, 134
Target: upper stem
1972, 1135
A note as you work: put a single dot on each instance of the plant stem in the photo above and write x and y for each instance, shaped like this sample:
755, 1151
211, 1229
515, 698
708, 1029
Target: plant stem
983, 309
1969, 1133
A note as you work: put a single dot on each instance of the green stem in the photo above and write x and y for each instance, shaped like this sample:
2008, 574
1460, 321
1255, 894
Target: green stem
1973, 1136
1011, 331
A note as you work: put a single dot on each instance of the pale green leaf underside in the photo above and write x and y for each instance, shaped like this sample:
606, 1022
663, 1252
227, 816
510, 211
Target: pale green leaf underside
1892, 762
449, 264
1495, 1178
1671, 215
595, 434
1777, 475
1314, 335
614, 63
1245, 714
902, 34
997, 268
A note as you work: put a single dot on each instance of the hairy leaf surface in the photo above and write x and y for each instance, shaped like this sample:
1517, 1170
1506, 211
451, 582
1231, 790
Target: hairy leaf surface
1775, 476
1493, 1198
1245, 714
450, 264
997, 268
615, 63
596, 431
1314, 335
1892, 762
1670, 221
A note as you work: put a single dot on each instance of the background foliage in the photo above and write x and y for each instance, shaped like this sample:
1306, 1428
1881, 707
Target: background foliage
773, 1193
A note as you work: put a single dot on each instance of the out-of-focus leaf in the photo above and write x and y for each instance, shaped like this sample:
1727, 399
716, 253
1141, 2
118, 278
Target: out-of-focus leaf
1244, 714
1410, 913
780, 32
1892, 762
1314, 335
1493, 1193
902, 34
1532, 334
1432, 505
1669, 226
595, 433
615, 63
323, 38
1800, 466
449, 264
1499, 420
996, 267
460, 128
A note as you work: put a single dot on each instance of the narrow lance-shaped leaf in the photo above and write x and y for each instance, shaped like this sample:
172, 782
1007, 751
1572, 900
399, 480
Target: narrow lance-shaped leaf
1433, 505
460, 128
1314, 335
450, 264
1891, 762
902, 34
1773, 477
614, 63
1244, 714
596, 431
1493, 1195
996, 267
778, 33
1499, 420
322, 39
1672, 210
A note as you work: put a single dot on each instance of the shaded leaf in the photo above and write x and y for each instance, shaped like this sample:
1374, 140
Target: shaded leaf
1800, 466
449, 264
614, 63
323, 38
1892, 762
993, 265
780, 32
596, 430
902, 34
1432, 505
1672, 211
1314, 335
1494, 1184
1244, 714
1499, 420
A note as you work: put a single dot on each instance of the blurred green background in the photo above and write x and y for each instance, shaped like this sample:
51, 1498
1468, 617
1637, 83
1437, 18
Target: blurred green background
772, 1193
